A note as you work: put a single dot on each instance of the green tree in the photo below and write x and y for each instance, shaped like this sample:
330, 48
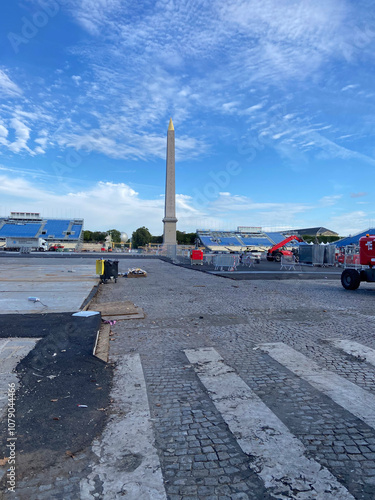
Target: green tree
157, 239
141, 237
185, 238
98, 236
87, 236
115, 235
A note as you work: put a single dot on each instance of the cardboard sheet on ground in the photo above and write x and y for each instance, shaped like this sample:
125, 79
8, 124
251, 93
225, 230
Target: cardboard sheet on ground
119, 310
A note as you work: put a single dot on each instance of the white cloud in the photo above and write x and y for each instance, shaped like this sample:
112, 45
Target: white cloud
76, 79
251, 109
349, 87
22, 132
7, 87
244, 211
350, 222
328, 201
94, 205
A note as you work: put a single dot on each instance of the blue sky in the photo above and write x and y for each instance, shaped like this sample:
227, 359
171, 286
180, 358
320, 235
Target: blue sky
273, 104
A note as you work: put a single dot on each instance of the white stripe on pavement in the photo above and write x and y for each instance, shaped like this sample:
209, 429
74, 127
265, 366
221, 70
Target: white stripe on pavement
128, 465
355, 349
349, 396
278, 456
12, 351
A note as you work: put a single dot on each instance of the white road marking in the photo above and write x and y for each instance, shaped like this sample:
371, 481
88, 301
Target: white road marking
279, 457
355, 349
129, 465
12, 350
349, 396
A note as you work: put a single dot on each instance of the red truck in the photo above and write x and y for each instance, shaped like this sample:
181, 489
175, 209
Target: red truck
351, 278
278, 250
55, 248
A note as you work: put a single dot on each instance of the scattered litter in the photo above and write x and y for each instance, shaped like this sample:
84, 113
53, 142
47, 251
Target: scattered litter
64, 350
51, 376
82, 406
56, 418
136, 272
54, 400
54, 354
109, 321
255, 348
3, 461
36, 299
85, 314
69, 454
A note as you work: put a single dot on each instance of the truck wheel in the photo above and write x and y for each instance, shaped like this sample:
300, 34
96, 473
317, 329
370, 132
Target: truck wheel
278, 257
350, 279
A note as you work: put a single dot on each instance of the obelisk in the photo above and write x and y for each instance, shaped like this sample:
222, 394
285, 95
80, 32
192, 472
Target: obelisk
169, 233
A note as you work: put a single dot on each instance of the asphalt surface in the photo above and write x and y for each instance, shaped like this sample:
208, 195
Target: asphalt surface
59, 374
265, 270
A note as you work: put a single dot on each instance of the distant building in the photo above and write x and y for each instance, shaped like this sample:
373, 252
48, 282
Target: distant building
313, 231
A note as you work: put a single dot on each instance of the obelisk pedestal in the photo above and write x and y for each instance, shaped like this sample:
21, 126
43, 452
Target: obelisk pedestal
169, 221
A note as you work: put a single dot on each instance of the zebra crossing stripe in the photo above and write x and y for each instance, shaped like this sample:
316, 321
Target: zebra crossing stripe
277, 455
349, 396
355, 349
128, 464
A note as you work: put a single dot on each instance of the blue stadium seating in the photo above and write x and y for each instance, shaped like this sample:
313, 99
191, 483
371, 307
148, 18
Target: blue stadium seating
206, 240
56, 228
76, 228
255, 241
276, 237
229, 241
353, 240
17, 230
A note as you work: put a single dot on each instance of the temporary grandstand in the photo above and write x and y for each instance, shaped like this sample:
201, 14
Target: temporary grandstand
354, 240
240, 240
66, 232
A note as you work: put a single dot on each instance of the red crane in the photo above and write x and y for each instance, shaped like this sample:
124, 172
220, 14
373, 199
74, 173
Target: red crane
278, 250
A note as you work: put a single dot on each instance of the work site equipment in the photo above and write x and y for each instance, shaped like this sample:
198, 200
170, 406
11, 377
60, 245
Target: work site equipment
350, 277
278, 250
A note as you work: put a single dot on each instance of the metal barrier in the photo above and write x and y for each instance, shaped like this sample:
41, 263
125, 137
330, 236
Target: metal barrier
229, 261
312, 254
288, 262
248, 261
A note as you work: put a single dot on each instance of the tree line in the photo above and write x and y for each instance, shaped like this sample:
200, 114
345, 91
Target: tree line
140, 237
100, 236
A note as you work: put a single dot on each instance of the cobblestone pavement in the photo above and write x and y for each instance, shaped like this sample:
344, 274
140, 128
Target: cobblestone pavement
199, 456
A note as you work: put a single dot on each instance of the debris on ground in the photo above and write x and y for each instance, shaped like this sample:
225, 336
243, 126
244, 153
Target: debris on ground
136, 272
114, 311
